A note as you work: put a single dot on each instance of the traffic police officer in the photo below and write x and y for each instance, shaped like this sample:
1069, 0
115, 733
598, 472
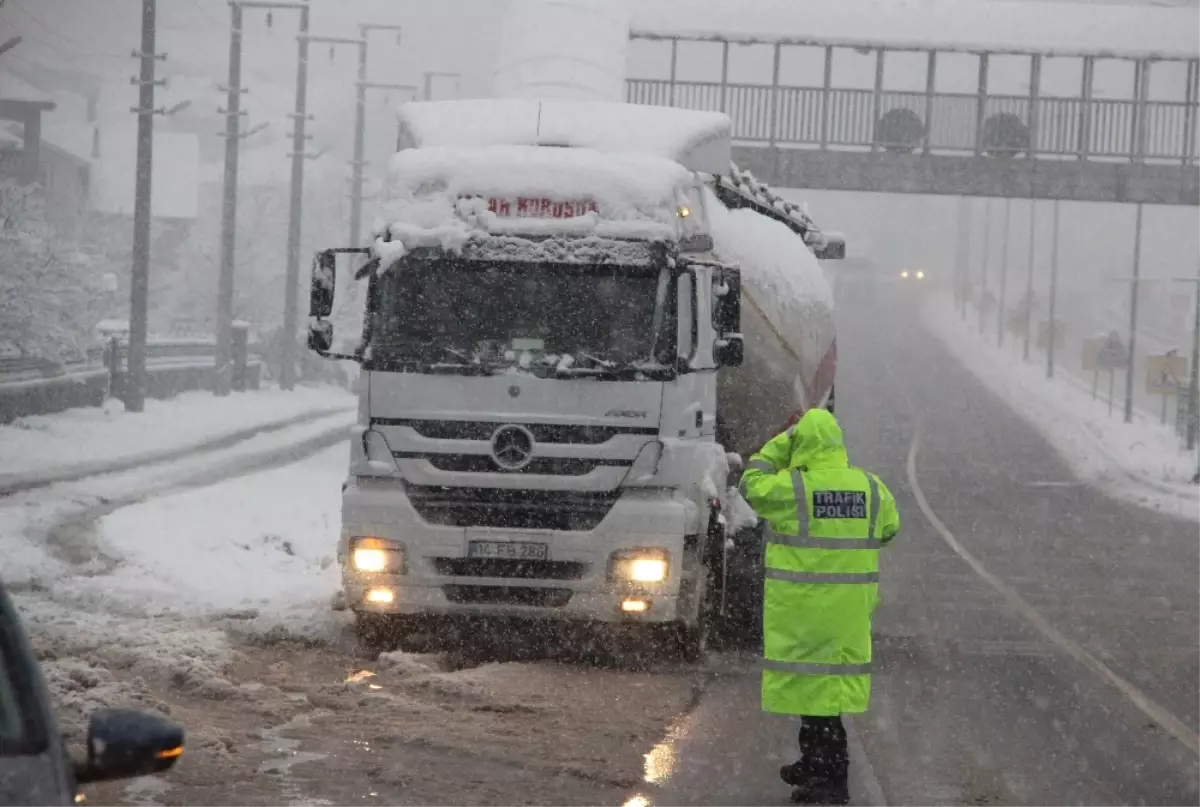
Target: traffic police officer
826, 521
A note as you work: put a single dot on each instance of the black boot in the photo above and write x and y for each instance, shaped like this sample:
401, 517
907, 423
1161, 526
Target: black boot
822, 791
795, 774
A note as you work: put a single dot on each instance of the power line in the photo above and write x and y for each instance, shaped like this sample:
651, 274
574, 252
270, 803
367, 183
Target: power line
76, 46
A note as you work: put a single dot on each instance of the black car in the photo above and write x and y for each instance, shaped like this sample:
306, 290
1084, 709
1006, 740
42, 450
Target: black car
35, 767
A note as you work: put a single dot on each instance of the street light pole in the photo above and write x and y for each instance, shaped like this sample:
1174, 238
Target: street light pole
987, 248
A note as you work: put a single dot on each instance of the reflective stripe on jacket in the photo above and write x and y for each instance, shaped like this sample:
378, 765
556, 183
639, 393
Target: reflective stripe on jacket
827, 521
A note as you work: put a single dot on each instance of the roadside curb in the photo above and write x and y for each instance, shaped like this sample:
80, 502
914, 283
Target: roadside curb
19, 483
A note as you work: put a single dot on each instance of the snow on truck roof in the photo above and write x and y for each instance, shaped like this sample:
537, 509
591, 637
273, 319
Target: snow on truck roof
1060, 28
698, 141
617, 183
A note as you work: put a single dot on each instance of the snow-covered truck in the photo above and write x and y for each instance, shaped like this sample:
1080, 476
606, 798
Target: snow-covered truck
574, 310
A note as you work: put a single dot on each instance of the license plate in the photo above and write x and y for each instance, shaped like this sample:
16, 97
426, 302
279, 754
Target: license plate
508, 550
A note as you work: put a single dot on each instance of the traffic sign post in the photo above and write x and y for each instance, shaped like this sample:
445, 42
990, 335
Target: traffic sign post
1165, 376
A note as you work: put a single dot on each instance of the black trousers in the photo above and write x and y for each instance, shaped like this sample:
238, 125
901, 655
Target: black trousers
823, 751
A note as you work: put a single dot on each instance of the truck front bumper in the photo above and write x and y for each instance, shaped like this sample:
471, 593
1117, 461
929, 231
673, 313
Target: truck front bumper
576, 586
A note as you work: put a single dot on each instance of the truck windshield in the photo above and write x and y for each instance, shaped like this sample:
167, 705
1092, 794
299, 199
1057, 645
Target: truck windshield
443, 311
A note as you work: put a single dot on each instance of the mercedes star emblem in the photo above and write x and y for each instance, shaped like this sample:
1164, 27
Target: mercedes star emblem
512, 447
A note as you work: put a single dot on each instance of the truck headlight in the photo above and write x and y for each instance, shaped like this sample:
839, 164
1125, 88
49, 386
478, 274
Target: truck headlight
376, 555
639, 566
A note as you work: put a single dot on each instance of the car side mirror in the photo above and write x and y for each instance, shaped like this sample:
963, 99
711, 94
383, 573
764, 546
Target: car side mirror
324, 281
123, 744
320, 336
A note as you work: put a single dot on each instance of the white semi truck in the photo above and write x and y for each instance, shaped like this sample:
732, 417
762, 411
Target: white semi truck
573, 312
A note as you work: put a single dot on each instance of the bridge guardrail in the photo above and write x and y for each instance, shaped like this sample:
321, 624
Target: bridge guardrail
38, 386
1097, 129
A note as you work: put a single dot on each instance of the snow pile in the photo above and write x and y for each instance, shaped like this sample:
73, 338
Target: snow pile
1141, 461
780, 273
697, 140
259, 548
42, 444
563, 49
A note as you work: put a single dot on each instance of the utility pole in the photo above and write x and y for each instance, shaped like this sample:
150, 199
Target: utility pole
987, 249
223, 365
287, 377
1029, 278
1053, 295
1003, 273
135, 388
360, 128
1133, 307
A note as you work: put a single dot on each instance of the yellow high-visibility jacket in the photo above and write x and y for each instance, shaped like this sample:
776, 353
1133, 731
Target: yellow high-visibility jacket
826, 524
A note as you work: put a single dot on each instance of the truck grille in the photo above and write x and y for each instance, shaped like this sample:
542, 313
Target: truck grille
508, 595
483, 464
513, 569
511, 509
542, 432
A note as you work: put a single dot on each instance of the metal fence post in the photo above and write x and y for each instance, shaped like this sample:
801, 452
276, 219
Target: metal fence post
241, 354
1053, 294
981, 103
930, 88
877, 99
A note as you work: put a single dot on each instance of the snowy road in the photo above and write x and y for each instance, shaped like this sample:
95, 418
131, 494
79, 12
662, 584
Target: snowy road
974, 701
1036, 643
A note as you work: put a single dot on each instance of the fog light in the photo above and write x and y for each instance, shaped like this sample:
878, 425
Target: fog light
635, 606
376, 555
381, 596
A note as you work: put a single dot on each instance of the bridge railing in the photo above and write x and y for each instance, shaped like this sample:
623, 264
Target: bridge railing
1050, 127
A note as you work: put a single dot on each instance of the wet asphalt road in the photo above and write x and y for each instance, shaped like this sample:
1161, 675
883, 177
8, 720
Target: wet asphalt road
972, 703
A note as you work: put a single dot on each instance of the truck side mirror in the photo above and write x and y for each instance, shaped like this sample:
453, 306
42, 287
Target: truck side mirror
324, 280
320, 336
730, 349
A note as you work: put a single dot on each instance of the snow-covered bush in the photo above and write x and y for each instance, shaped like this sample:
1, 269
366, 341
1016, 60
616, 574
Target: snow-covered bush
51, 290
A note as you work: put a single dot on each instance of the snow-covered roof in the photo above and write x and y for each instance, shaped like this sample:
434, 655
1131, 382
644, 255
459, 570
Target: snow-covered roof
15, 89
699, 141
962, 25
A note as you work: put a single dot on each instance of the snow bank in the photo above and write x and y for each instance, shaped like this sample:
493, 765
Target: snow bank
42, 444
697, 140
780, 270
1043, 26
258, 548
1139, 461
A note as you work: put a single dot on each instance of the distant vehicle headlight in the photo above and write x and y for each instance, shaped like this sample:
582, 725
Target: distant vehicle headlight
904, 274
920, 275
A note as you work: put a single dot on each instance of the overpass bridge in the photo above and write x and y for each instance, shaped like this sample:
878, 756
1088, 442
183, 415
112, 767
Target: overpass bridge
1080, 146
